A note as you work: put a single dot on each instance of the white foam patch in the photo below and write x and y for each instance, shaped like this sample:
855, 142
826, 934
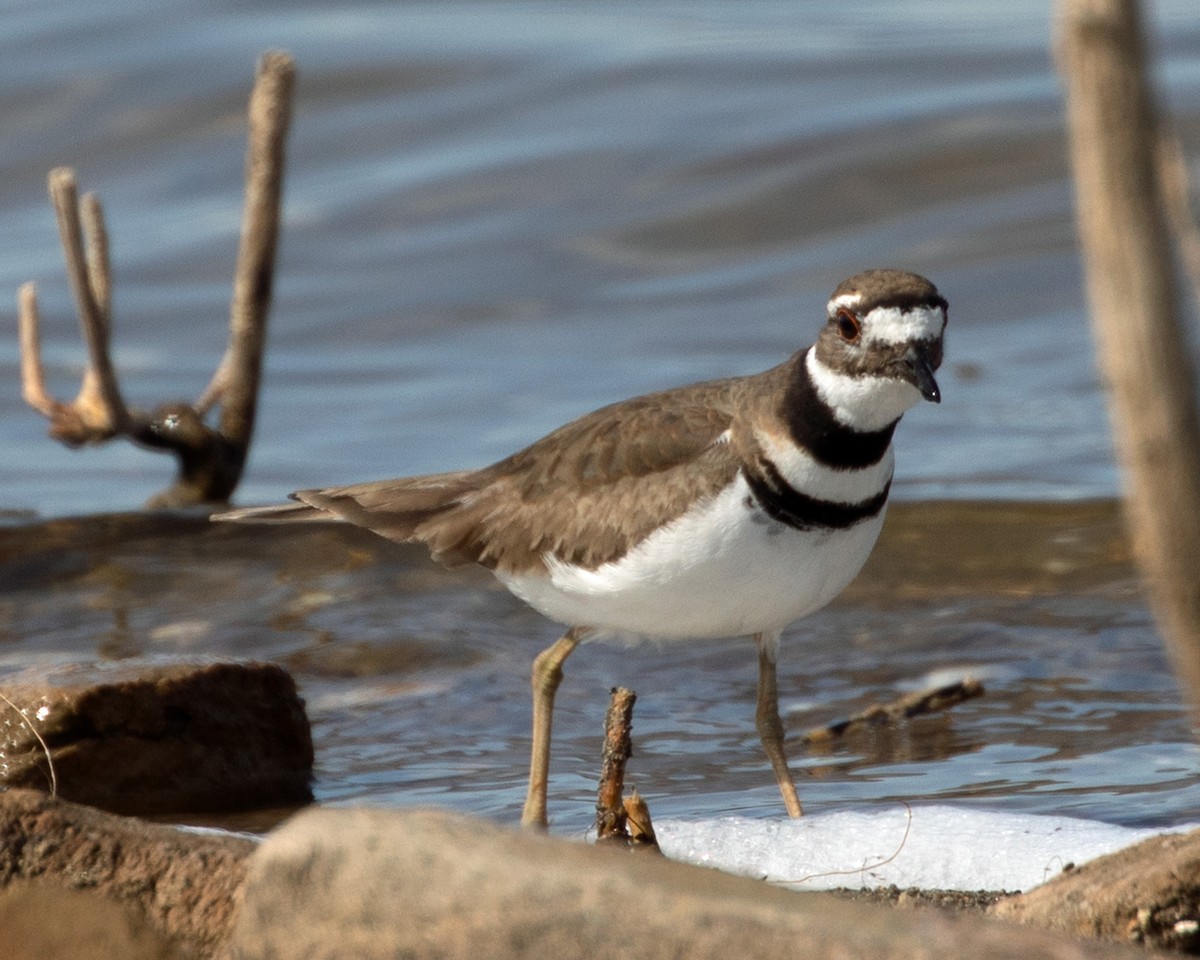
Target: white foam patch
946, 848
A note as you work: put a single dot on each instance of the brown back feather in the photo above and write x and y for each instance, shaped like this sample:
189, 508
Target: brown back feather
580, 493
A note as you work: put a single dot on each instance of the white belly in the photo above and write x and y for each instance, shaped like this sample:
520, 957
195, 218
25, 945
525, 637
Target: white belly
723, 569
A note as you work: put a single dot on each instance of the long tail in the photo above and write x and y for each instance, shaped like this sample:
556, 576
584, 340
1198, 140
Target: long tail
277, 513
391, 508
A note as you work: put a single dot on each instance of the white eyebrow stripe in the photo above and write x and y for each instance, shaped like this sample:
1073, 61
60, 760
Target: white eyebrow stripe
891, 325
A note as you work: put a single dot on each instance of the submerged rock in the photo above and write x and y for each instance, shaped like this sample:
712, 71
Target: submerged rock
149, 738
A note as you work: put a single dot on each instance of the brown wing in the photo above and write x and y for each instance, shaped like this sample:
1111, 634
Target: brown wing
584, 493
595, 487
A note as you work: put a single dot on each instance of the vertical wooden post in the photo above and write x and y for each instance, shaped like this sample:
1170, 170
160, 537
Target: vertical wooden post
1132, 288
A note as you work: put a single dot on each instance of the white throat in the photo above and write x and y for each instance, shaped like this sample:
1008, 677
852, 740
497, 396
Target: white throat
863, 403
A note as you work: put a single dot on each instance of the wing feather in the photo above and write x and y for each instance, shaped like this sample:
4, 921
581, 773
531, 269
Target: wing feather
585, 493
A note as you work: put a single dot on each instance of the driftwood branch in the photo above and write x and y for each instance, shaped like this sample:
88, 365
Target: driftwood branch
1132, 284
904, 708
210, 460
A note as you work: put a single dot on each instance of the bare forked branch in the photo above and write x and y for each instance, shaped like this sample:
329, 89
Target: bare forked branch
210, 460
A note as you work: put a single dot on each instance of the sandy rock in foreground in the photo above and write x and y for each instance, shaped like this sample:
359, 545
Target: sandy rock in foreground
1148, 893
42, 921
141, 737
370, 884
82, 876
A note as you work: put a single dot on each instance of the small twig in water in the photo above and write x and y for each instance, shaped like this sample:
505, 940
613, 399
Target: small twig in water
45, 747
910, 705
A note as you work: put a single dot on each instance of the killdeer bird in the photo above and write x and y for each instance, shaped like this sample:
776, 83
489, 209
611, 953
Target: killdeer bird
722, 509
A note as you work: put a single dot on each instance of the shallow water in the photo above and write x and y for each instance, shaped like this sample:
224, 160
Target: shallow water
417, 678
499, 215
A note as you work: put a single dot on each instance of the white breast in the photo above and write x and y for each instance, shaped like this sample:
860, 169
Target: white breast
723, 569
803, 471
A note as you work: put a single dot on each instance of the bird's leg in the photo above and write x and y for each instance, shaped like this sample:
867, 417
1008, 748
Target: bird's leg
770, 727
547, 675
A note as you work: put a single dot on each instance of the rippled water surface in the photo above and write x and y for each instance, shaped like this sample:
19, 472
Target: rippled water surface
417, 679
500, 215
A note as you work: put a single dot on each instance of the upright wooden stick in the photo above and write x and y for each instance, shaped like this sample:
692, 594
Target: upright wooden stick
618, 747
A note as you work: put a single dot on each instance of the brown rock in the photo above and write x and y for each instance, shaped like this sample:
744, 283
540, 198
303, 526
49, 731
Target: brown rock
143, 738
366, 884
161, 890
1148, 893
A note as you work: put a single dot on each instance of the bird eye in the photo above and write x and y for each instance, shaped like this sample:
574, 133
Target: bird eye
849, 329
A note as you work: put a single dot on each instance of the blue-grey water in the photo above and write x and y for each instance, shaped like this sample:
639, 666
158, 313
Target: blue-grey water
500, 215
